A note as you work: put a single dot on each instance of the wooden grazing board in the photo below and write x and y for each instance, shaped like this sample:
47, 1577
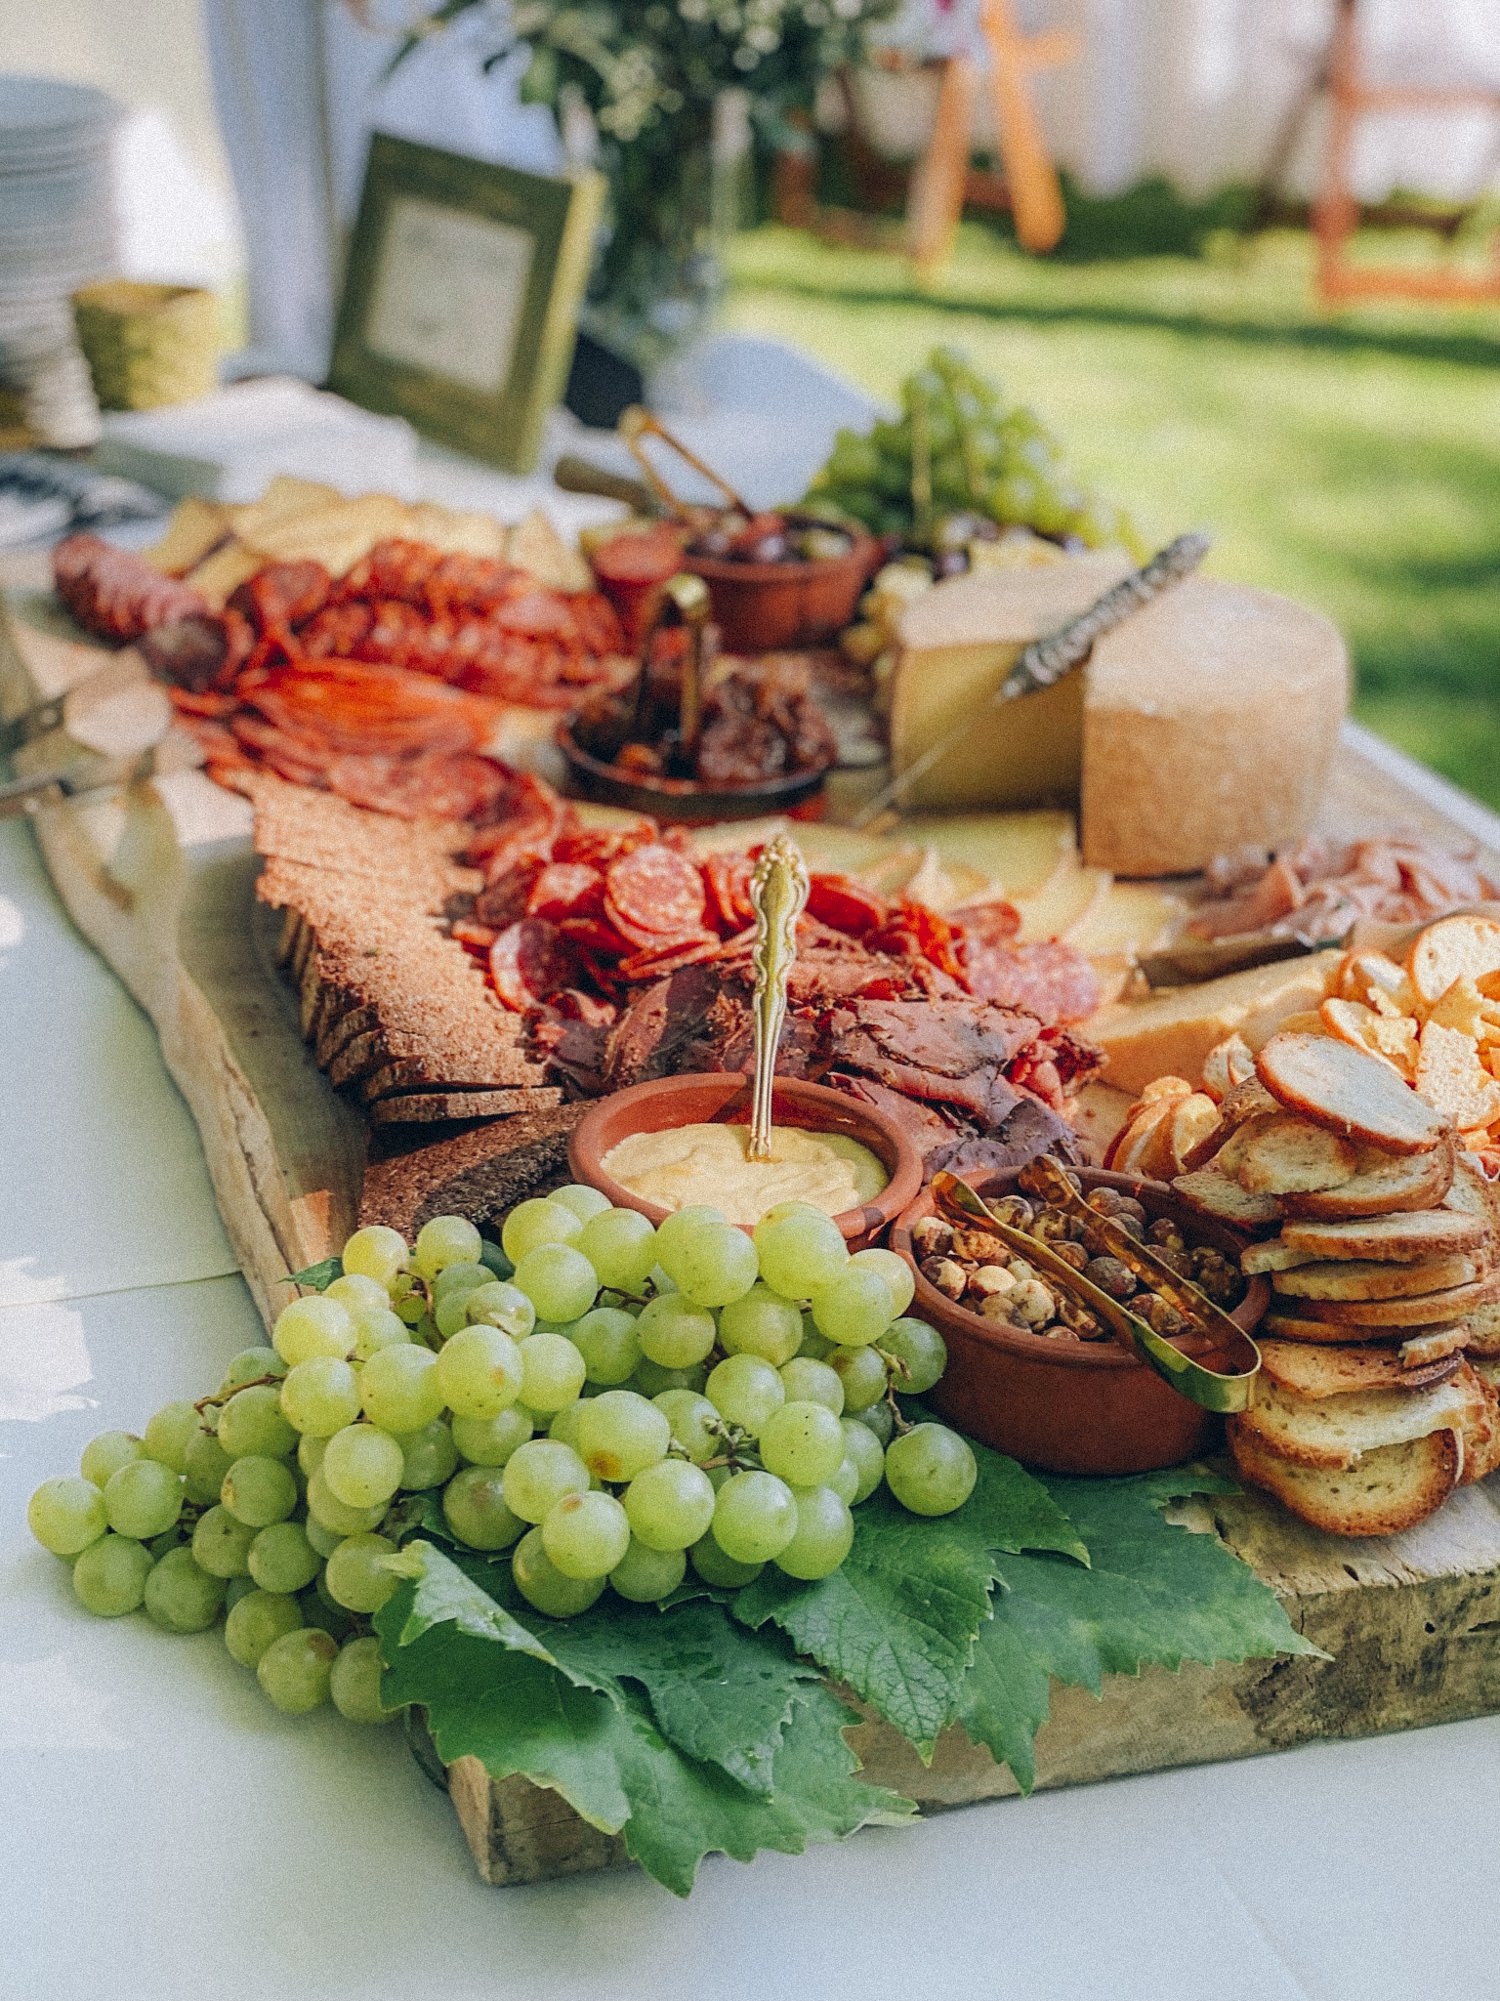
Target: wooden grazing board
160, 881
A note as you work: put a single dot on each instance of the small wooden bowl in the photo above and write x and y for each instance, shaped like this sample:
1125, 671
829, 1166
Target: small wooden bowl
685, 801
1068, 1406
711, 1096
771, 607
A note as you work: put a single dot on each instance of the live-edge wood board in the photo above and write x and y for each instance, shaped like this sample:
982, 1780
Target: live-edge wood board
160, 879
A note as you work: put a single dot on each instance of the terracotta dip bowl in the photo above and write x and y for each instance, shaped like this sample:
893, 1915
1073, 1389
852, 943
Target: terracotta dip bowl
767, 607
1068, 1406
714, 1096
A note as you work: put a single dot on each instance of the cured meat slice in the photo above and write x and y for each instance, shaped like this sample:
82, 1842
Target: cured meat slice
726, 879
115, 594
993, 922
566, 889
657, 965
503, 900
530, 962
657, 892
1049, 979
839, 901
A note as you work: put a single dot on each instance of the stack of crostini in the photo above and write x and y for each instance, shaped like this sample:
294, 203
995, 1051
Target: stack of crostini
1380, 1386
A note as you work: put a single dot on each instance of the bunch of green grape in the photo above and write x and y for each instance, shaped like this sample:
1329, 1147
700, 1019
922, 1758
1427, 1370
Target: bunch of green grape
606, 1400
956, 455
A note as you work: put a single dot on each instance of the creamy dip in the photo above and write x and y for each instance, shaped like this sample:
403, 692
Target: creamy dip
708, 1163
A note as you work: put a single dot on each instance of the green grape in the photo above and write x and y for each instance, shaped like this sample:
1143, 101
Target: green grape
930, 1470
168, 1432
684, 1223
762, 1323
310, 1453
282, 1558
862, 1371
755, 1517
315, 1326
710, 1263
479, 1372
921, 1349
451, 1314
606, 1338
323, 1541
259, 1491
543, 1585
375, 1252
893, 1268
867, 1454
694, 1423
180, 1596
815, 1346
362, 1466
376, 1328
489, 1441
670, 1505
236, 1588
329, 1512
674, 1333
621, 1246
356, 1575
657, 1282
323, 1615
493, 1258
428, 1457
456, 1281
854, 1309
802, 1443
444, 1241
845, 1482
399, 1388
294, 1671
66, 1515
800, 1249
109, 1577
204, 1464
536, 1222
256, 1621
221, 1543
621, 1433
586, 1535
474, 1508
807, 1381
354, 1684
824, 1536
359, 1293
878, 1419
320, 1397
652, 1380
645, 1576
107, 1453
564, 1424
538, 1475
585, 1202
500, 1304
559, 1281
715, 1567
171, 1538
552, 1372
250, 1365
410, 1308
745, 1390
251, 1421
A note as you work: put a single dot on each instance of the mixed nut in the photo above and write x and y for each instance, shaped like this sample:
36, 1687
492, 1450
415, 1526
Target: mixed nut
978, 1271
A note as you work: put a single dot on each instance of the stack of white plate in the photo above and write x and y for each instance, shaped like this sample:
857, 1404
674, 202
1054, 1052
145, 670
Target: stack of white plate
57, 231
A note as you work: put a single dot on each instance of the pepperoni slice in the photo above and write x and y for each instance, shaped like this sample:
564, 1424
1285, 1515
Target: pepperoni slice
655, 891
478, 937
726, 878
594, 934
844, 904
993, 922
655, 965
531, 961
1050, 979
566, 889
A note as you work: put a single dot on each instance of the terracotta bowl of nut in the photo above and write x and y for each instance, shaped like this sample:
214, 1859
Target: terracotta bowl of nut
1053, 1400
713, 1096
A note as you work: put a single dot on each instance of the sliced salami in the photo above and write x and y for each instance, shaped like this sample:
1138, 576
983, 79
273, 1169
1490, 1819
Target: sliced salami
726, 879
845, 905
530, 961
566, 889
655, 965
993, 922
1051, 980
657, 891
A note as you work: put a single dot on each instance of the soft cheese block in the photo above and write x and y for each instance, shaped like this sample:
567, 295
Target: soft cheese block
1209, 723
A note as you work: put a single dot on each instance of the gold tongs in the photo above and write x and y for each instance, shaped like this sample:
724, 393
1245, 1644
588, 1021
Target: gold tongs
1225, 1389
636, 425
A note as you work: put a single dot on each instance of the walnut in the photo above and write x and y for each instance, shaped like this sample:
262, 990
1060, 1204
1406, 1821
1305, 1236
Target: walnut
1030, 1304
932, 1237
1107, 1201
948, 1277
985, 1283
1215, 1275
1014, 1210
1071, 1253
1111, 1276
1166, 1235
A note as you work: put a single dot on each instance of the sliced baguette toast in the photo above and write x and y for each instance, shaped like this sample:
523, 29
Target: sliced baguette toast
1482, 1436
1334, 1372
1384, 1182
1433, 1344
1246, 1100
1400, 1237
1298, 1327
1214, 1194
1275, 1254
1390, 1489
1366, 1278
1287, 1155
1426, 1309
1351, 1093
1482, 1330
1338, 1430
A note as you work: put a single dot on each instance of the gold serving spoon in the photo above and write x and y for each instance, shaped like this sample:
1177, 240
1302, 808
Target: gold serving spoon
1224, 1391
778, 892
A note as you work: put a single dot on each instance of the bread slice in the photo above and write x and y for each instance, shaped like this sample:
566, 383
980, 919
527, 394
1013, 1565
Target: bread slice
1275, 1254
1434, 1345
1385, 1182
1299, 1327
1214, 1194
1455, 948
1472, 1195
1390, 1489
1482, 1330
1286, 1155
1402, 1237
1336, 1431
1333, 1372
1426, 1309
1232, 1153
1349, 1092
1365, 1278
1482, 1433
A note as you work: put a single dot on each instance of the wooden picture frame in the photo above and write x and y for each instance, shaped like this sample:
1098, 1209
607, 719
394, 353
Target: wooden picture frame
461, 298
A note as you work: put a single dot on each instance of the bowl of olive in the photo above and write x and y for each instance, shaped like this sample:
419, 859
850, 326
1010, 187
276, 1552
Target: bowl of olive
784, 580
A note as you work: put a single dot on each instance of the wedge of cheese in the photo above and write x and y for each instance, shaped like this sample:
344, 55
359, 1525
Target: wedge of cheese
1210, 724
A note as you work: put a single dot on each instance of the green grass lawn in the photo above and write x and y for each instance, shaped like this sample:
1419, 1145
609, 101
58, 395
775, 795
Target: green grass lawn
1352, 461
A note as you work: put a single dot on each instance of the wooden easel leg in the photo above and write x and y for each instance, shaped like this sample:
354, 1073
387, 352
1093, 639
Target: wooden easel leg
935, 199
1035, 194
1336, 215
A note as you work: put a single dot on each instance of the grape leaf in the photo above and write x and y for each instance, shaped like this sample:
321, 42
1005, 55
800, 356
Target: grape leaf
1155, 1594
898, 1621
439, 1593
319, 1276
